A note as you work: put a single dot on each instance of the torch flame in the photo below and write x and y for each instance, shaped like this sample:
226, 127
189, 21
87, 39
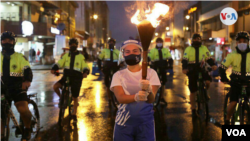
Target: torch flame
134, 19
152, 16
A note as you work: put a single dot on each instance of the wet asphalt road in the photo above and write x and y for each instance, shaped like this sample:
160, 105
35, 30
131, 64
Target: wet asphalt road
96, 117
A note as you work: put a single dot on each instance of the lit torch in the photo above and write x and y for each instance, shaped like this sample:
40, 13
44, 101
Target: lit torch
146, 29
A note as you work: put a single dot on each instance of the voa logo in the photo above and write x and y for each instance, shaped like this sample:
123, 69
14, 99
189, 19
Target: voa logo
236, 132
228, 16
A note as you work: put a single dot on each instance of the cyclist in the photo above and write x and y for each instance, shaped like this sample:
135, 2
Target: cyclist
160, 60
75, 68
135, 116
16, 76
191, 62
110, 57
240, 62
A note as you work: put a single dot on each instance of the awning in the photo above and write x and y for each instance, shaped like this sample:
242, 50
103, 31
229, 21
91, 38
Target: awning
50, 43
83, 35
200, 21
50, 4
33, 3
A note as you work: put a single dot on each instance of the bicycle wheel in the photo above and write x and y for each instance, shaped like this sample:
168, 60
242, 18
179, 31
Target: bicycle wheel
157, 98
35, 119
242, 114
114, 100
159, 92
62, 108
21, 129
233, 119
248, 113
203, 104
6, 129
71, 108
226, 103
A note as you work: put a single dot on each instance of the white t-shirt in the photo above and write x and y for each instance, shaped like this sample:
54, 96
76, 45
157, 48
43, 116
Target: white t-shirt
136, 112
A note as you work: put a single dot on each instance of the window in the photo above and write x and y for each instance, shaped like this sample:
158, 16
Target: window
243, 4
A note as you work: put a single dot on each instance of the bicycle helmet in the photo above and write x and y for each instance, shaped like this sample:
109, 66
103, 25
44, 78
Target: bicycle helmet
196, 35
8, 35
159, 40
73, 41
242, 34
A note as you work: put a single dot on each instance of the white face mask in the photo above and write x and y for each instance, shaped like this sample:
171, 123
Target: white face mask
159, 44
242, 46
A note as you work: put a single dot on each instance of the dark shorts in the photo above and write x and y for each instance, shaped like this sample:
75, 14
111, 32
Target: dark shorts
75, 85
193, 78
235, 91
18, 95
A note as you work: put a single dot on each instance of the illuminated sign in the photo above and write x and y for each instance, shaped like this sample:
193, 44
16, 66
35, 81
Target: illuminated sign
54, 30
191, 10
220, 41
27, 28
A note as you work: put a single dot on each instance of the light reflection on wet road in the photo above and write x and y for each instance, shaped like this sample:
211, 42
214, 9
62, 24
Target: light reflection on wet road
96, 117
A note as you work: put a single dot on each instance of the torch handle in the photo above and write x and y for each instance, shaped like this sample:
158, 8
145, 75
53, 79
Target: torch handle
144, 65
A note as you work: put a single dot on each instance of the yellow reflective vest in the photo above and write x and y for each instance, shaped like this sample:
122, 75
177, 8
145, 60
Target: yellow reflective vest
189, 54
18, 63
105, 55
79, 64
189, 57
154, 54
234, 59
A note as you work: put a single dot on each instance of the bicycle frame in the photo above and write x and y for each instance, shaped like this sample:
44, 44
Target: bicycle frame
243, 98
67, 88
9, 113
200, 85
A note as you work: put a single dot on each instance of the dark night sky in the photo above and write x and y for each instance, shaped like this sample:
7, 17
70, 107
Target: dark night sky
119, 24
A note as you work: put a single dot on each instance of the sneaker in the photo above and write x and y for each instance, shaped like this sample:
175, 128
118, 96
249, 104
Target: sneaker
195, 114
226, 122
26, 134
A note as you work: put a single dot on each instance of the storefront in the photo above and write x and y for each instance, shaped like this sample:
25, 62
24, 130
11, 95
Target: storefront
39, 37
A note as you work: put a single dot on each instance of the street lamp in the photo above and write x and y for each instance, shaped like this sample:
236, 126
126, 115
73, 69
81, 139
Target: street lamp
167, 28
187, 28
187, 17
156, 34
95, 16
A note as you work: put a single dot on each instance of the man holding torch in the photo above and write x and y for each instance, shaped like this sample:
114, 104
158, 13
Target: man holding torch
135, 116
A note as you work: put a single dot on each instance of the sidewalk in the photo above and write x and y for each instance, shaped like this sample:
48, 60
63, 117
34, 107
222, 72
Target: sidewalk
40, 67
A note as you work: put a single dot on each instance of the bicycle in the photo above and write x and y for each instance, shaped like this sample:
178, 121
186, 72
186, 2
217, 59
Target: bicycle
242, 108
114, 101
202, 98
160, 91
65, 101
7, 113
